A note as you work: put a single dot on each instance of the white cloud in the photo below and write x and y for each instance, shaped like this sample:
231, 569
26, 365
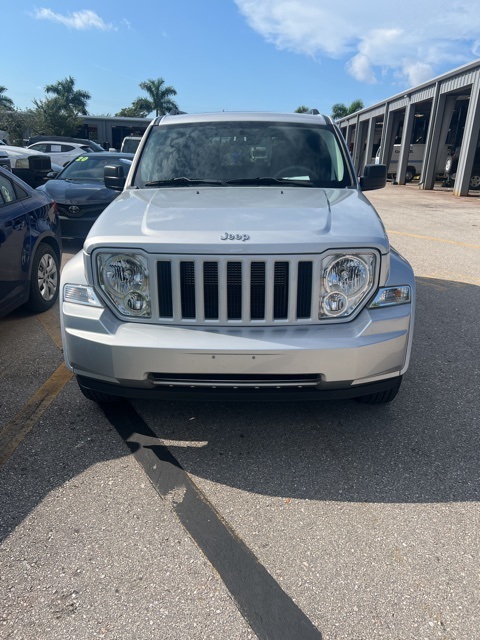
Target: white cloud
360, 68
374, 39
417, 72
80, 20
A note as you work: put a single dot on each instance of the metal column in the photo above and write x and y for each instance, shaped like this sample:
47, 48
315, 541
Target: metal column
469, 142
405, 144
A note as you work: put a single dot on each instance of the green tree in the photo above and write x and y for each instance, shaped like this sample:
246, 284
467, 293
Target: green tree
54, 119
159, 97
340, 110
302, 109
138, 109
19, 124
5, 101
69, 98
59, 115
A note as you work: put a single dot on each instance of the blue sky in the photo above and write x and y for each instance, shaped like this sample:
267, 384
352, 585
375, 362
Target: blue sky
267, 55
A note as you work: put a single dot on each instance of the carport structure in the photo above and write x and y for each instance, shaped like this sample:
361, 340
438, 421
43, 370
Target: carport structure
443, 111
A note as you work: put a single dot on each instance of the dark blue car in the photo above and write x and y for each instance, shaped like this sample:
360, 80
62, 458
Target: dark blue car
80, 192
30, 247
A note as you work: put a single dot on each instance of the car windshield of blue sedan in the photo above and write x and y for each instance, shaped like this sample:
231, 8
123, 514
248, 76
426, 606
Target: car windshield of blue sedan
91, 167
243, 153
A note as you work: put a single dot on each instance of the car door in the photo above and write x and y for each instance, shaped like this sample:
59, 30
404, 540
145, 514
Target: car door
14, 247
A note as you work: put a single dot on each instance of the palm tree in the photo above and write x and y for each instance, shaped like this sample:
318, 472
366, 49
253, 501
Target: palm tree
159, 97
69, 97
340, 110
5, 101
302, 109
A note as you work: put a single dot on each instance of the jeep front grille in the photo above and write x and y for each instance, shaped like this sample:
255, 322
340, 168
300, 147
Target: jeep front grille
238, 290
39, 163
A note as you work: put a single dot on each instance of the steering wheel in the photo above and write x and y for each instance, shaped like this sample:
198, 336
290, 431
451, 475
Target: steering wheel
296, 170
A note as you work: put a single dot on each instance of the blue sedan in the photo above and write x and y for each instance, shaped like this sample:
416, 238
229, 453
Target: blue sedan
80, 192
30, 247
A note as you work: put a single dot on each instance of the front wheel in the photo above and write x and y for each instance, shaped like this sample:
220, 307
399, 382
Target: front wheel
409, 174
44, 280
382, 397
450, 165
475, 181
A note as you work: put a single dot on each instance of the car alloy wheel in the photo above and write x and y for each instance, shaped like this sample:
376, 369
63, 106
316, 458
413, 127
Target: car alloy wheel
475, 181
45, 279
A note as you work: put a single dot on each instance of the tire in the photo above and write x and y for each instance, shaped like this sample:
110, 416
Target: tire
44, 280
382, 397
98, 396
450, 165
475, 181
410, 174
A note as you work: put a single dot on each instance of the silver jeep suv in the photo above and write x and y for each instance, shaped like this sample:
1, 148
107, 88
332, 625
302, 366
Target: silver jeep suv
241, 259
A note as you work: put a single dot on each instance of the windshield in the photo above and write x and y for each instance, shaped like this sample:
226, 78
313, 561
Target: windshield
242, 153
90, 167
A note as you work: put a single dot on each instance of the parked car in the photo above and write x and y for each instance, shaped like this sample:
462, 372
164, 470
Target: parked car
241, 259
60, 153
130, 144
415, 161
91, 144
29, 165
451, 165
30, 247
80, 192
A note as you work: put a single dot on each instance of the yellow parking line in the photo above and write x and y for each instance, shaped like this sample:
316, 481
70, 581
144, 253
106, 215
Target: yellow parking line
16, 430
50, 321
433, 239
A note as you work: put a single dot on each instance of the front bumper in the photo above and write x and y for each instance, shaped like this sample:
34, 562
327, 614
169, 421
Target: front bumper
365, 355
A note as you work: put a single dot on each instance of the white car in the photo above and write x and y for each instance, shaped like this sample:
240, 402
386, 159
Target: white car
60, 152
130, 144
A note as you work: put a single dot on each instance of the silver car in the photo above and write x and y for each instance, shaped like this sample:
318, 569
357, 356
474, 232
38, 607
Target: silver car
242, 259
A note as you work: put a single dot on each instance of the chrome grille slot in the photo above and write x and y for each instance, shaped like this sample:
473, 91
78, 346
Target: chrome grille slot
187, 291
234, 290
210, 290
237, 291
257, 291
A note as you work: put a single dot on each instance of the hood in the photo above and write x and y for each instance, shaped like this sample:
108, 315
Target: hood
239, 220
79, 193
20, 152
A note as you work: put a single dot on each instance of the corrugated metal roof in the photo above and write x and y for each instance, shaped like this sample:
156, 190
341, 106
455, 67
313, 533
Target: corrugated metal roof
459, 82
454, 80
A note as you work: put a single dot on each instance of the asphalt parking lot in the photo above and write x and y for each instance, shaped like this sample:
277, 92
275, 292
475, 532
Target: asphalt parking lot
283, 521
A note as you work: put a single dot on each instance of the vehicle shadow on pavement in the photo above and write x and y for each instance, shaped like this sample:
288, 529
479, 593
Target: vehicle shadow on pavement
424, 447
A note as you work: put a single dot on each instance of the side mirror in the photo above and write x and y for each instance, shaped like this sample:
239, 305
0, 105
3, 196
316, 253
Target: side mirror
114, 177
374, 177
51, 175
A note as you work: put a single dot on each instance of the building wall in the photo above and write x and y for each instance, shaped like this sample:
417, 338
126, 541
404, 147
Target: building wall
450, 108
111, 131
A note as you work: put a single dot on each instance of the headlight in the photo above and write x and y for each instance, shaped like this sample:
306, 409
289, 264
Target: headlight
346, 281
124, 279
22, 163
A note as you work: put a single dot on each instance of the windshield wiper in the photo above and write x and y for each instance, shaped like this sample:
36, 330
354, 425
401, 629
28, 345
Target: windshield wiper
183, 182
269, 180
